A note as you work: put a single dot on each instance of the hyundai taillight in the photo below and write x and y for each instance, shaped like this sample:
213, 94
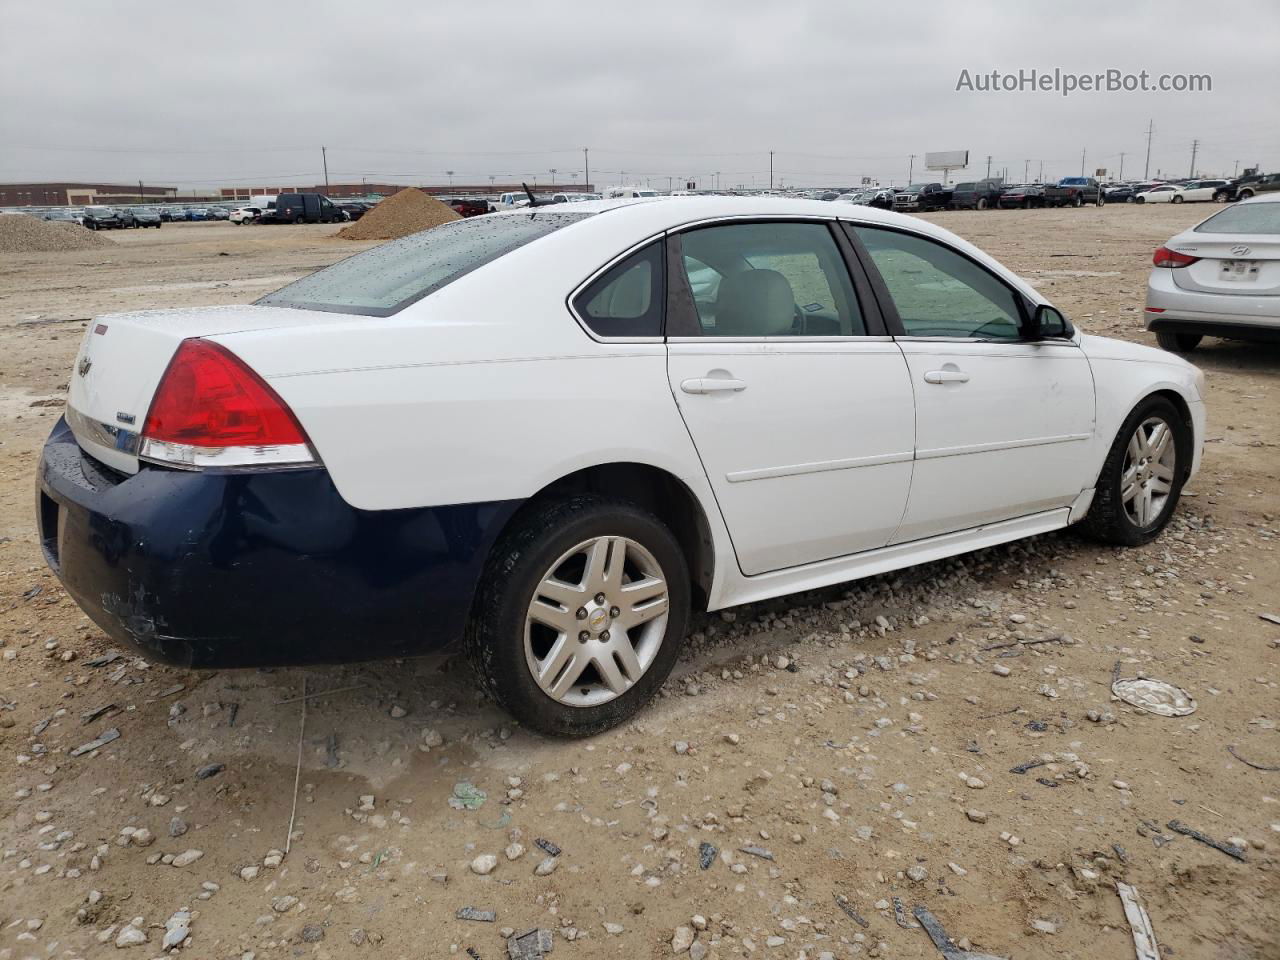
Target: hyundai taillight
212, 410
1164, 257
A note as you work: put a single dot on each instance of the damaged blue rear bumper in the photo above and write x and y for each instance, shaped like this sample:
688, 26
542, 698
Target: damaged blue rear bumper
236, 569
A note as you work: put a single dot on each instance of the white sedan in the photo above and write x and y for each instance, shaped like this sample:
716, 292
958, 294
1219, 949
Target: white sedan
1164, 193
552, 432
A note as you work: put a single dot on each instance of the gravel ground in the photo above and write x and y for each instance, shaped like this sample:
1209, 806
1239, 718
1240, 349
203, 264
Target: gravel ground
942, 737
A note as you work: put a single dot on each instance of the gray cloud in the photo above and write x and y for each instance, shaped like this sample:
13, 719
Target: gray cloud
206, 94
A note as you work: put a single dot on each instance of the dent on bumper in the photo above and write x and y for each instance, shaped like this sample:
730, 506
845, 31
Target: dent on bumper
245, 569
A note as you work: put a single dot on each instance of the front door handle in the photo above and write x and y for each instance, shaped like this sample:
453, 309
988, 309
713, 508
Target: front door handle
946, 376
712, 385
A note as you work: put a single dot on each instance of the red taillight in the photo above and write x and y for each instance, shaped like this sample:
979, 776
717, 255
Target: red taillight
208, 397
1164, 257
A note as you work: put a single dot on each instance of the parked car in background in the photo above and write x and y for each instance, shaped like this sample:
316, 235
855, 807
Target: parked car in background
217, 213
1221, 278
145, 217
354, 209
103, 218
127, 219
575, 197
1072, 192
1118, 193
1024, 195
1161, 193
1267, 183
922, 196
1198, 191
62, 215
197, 213
881, 198
976, 195
1230, 191
469, 206
298, 485
302, 208
243, 215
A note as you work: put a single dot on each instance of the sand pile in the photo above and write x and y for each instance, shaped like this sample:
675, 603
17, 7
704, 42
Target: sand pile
401, 214
20, 233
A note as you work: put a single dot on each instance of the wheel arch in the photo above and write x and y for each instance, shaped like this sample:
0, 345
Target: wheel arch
1168, 392
660, 492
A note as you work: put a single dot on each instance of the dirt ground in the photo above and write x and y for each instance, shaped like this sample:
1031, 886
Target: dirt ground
863, 737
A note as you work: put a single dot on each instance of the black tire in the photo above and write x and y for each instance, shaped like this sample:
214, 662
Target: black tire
1077, 201
982, 203
1244, 194
1176, 199
1178, 342
1220, 197
1139, 199
1131, 199
495, 636
1107, 519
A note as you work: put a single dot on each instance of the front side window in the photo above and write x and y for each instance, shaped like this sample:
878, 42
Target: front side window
938, 292
626, 300
772, 279
386, 279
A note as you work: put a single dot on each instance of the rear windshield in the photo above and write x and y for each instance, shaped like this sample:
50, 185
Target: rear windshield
386, 279
1245, 218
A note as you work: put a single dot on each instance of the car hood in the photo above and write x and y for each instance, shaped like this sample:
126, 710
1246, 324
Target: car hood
1105, 348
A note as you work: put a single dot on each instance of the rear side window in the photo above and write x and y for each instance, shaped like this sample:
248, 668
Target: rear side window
626, 300
386, 279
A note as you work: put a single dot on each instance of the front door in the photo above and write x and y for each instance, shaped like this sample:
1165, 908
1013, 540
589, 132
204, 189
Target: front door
1002, 425
800, 408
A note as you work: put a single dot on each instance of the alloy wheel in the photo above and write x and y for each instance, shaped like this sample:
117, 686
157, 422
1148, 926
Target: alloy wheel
596, 621
1147, 479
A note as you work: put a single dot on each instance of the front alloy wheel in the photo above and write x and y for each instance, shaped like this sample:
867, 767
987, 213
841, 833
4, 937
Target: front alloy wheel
1142, 477
1147, 479
579, 614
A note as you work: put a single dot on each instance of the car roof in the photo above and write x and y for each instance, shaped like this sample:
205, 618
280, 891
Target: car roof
1262, 198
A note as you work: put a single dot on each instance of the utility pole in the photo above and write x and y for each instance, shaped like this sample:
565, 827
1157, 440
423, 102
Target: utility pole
911, 168
1237, 173
1146, 170
988, 166
324, 159
770, 169
1121, 177
586, 169
553, 176
1195, 145
1041, 180
1082, 152
449, 174
140, 200
717, 179
1026, 170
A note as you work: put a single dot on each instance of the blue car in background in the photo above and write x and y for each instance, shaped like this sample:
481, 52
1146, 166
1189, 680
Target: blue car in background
197, 213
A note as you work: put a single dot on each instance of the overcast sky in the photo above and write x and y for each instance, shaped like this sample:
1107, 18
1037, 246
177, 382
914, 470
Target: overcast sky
195, 94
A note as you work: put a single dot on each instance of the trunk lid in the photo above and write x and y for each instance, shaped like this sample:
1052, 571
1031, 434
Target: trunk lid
1239, 264
123, 356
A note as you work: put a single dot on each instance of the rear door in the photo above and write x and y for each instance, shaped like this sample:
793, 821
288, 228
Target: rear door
1003, 426
798, 403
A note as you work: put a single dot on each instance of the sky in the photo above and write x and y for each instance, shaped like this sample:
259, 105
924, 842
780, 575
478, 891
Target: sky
196, 95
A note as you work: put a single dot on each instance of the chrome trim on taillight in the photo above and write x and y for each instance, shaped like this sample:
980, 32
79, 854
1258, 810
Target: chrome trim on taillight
289, 456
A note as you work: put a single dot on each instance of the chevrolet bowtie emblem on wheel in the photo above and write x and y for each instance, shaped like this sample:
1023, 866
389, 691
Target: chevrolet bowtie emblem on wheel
1240, 250
85, 364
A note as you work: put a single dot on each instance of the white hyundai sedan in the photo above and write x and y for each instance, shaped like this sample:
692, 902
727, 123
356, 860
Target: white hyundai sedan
551, 432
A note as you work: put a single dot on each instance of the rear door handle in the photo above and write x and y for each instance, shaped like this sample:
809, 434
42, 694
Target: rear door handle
946, 376
712, 385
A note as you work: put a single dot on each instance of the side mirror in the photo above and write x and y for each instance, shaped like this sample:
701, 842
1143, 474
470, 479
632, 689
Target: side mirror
1048, 323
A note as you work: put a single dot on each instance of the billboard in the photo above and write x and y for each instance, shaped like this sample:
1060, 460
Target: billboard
946, 160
